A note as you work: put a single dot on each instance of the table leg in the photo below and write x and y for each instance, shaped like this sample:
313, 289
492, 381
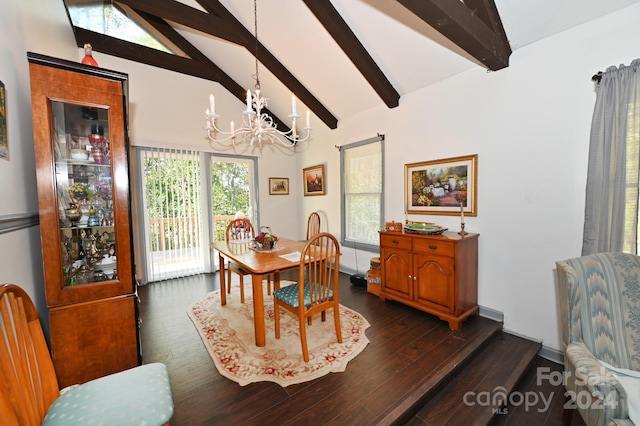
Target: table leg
258, 309
223, 289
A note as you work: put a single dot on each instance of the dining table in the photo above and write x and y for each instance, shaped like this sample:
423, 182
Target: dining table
259, 263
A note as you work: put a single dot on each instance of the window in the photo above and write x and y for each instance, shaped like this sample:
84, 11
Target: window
362, 166
119, 21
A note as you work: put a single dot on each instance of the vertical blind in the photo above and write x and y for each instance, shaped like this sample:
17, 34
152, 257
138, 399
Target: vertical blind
173, 214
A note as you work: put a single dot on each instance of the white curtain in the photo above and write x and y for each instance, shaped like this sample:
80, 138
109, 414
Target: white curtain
174, 224
611, 211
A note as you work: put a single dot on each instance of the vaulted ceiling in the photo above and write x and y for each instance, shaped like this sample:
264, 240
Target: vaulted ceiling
341, 57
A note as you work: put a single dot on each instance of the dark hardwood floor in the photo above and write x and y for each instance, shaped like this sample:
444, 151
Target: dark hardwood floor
407, 350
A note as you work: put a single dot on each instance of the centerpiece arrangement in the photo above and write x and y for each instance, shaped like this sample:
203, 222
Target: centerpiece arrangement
265, 240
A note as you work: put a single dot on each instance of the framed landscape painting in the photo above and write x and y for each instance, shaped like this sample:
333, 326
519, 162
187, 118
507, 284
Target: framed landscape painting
278, 186
447, 186
313, 178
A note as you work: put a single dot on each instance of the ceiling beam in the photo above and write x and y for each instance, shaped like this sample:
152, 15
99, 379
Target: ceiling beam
204, 69
271, 62
351, 46
188, 16
227, 82
467, 28
219, 22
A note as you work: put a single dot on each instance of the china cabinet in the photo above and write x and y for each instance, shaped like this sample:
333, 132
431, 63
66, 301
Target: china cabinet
81, 150
437, 274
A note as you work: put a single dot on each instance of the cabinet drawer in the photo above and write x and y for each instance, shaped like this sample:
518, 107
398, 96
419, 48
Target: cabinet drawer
396, 241
442, 248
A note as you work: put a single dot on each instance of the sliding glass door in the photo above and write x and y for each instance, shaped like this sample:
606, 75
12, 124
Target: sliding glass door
233, 191
188, 198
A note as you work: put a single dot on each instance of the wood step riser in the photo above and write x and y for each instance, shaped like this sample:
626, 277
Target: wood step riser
492, 371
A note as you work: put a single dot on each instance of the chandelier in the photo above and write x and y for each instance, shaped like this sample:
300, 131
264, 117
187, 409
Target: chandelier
257, 126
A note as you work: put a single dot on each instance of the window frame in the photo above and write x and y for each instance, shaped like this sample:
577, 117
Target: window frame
356, 243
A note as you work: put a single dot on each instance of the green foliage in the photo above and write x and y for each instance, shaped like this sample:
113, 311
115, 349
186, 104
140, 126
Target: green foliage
230, 186
173, 195
172, 187
173, 198
230, 189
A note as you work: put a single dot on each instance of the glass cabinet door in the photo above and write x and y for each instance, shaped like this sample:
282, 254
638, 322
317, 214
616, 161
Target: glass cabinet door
84, 179
82, 171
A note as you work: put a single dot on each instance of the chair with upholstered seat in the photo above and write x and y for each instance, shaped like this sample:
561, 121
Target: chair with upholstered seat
317, 288
599, 302
29, 393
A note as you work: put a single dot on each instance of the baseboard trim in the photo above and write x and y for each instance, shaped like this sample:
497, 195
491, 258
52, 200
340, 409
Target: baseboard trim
553, 355
491, 314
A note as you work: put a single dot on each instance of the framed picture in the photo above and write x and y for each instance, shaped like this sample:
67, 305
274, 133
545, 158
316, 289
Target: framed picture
278, 186
314, 181
4, 141
447, 186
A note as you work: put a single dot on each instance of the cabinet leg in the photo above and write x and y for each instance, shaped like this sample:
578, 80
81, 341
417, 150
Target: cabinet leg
454, 325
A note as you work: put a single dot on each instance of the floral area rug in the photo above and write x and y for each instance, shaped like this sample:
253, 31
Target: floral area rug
228, 334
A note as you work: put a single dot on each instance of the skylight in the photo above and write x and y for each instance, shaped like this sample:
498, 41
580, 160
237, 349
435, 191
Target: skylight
109, 19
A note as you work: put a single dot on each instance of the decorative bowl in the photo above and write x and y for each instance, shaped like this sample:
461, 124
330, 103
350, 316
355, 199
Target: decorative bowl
265, 241
265, 246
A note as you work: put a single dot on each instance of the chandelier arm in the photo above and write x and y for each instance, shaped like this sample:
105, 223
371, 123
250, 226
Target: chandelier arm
257, 126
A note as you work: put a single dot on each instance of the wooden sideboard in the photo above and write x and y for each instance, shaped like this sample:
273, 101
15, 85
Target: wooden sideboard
437, 274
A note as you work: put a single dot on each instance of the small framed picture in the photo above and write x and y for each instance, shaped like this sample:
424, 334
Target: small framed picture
278, 186
314, 181
4, 141
447, 186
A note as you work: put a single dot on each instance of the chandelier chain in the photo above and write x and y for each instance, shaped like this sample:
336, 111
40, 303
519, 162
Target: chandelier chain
256, 76
257, 126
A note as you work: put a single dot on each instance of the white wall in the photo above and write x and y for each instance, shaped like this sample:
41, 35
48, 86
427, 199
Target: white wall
39, 26
529, 125
167, 109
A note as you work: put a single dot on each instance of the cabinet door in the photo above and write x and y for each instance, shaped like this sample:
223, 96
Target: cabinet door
396, 273
434, 281
83, 185
94, 339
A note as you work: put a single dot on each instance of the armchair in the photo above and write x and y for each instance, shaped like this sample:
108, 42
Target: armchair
600, 301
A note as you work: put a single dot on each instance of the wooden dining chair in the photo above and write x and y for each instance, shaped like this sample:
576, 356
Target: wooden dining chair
317, 288
313, 225
29, 393
238, 229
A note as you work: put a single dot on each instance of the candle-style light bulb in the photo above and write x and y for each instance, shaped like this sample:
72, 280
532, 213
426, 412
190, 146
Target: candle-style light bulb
308, 119
212, 104
233, 128
249, 101
293, 105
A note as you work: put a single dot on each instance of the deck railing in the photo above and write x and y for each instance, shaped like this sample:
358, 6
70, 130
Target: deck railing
182, 232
